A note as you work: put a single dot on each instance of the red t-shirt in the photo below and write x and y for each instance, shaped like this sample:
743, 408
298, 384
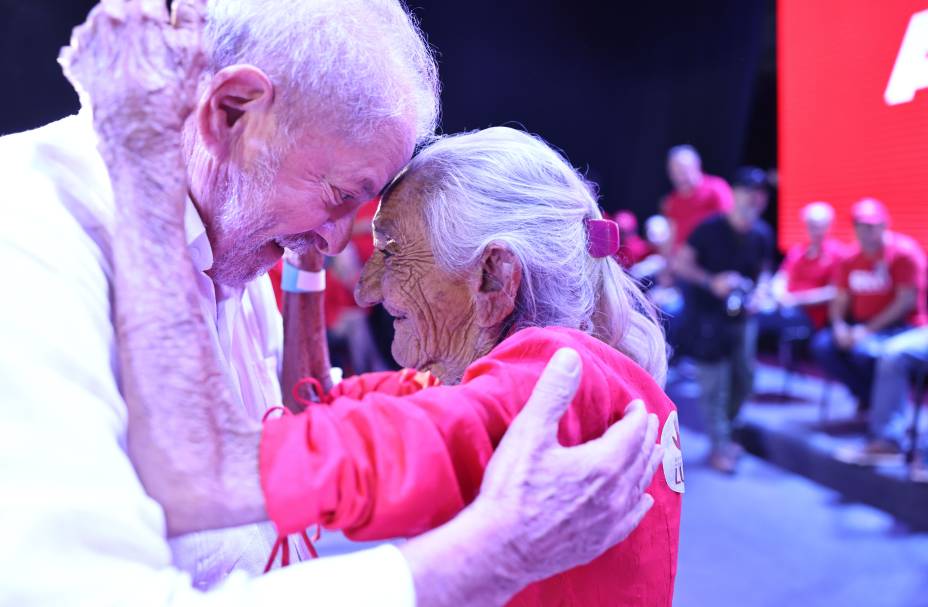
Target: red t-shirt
713, 195
386, 457
872, 281
804, 272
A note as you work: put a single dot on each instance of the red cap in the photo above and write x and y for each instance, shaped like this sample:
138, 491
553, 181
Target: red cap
870, 211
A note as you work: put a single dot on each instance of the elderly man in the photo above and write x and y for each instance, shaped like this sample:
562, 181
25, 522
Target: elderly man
695, 195
304, 111
804, 285
881, 292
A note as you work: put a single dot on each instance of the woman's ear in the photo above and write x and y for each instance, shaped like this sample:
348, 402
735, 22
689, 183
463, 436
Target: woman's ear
496, 285
236, 105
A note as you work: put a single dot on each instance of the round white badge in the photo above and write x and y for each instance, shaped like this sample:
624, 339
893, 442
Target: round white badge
673, 453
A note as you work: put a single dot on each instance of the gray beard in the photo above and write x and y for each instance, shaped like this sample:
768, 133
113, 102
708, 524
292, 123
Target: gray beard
240, 229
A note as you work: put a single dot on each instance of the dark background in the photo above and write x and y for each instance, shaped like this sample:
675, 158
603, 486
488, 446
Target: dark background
612, 84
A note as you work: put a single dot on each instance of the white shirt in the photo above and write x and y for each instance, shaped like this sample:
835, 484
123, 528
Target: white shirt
76, 525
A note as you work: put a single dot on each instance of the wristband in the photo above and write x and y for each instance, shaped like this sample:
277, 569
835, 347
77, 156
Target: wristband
294, 280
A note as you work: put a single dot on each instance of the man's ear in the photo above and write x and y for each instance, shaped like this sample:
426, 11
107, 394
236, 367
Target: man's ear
495, 285
238, 100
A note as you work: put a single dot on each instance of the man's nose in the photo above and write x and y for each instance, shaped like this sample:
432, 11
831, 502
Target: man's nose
336, 233
368, 291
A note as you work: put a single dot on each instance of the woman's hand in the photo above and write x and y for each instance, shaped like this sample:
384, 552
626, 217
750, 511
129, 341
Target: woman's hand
568, 504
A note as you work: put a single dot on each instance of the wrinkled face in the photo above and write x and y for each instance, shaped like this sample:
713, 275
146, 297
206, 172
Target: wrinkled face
870, 236
685, 172
307, 198
434, 311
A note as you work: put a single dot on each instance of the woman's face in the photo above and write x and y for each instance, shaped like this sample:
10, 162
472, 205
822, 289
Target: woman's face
434, 312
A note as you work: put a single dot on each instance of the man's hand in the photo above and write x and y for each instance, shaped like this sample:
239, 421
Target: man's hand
568, 505
138, 72
137, 69
543, 508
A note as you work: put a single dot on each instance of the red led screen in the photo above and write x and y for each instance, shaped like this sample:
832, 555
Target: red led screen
853, 87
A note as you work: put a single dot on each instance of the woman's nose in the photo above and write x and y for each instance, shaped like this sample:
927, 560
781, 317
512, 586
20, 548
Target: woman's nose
368, 291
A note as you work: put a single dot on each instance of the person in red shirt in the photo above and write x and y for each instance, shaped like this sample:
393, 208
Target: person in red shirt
881, 291
804, 285
695, 197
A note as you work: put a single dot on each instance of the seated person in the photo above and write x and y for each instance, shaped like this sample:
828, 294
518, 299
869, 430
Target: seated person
491, 255
881, 292
902, 354
803, 286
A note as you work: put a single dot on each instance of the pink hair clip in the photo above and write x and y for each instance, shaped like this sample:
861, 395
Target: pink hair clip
602, 237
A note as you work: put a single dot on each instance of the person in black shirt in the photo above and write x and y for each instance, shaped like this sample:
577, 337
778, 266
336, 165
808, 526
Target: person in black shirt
724, 261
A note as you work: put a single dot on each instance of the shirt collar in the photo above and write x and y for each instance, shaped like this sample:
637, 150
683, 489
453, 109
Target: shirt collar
197, 242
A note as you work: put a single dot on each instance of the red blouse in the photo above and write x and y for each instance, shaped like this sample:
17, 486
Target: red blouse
388, 457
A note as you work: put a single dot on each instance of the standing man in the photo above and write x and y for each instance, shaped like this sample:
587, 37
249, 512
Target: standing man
881, 292
269, 133
723, 261
695, 197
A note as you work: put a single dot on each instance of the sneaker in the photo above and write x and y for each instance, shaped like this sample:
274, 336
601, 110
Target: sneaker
875, 453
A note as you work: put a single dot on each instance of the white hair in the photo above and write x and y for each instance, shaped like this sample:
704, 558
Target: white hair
504, 186
357, 65
819, 212
684, 151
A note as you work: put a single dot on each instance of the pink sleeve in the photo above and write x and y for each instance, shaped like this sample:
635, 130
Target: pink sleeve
385, 466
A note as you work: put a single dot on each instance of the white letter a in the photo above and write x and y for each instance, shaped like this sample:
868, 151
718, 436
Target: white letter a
910, 73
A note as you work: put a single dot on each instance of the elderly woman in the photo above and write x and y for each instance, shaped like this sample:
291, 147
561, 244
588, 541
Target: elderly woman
483, 257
